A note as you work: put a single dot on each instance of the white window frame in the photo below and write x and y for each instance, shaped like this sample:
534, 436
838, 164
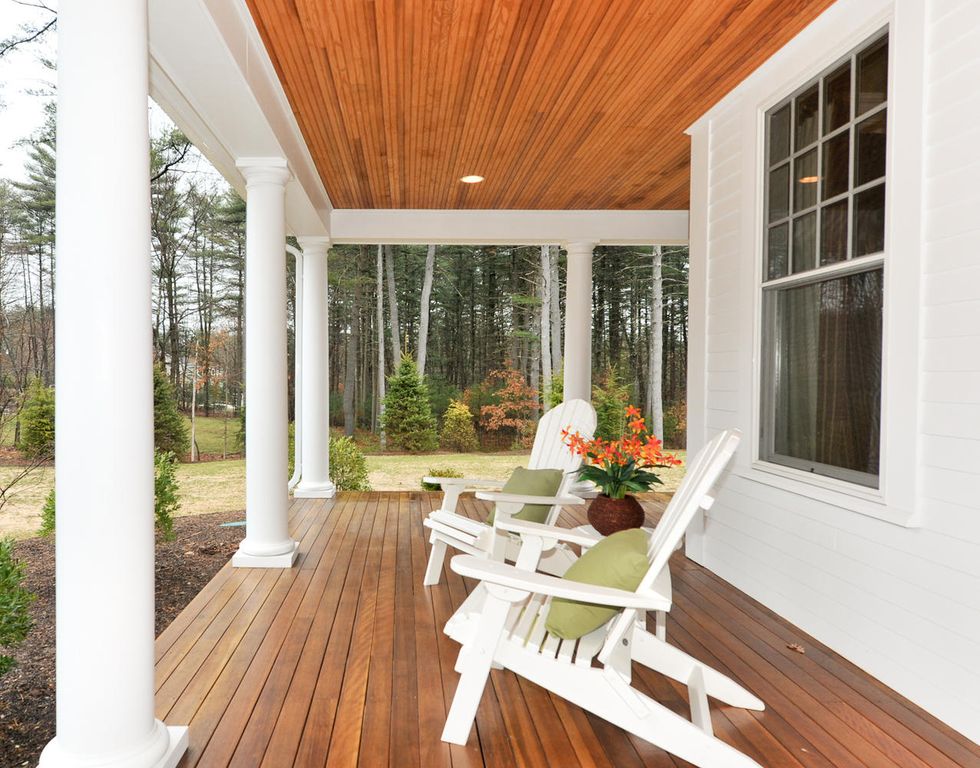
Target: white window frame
816, 274
896, 498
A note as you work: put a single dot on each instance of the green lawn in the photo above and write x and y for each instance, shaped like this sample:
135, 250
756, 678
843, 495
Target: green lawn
219, 486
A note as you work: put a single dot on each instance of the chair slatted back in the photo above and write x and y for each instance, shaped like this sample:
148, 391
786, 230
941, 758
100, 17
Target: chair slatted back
694, 493
549, 451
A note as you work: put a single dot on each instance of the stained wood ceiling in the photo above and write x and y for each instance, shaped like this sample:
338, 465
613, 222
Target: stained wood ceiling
560, 104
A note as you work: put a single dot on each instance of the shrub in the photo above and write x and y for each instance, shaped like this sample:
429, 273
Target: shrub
610, 396
439, 471
166, 490
441, 394
408, 420
458, 432
169, 429
47, 516
348, 467
515, 406
557, 391
37, 430
15, 604
675, 425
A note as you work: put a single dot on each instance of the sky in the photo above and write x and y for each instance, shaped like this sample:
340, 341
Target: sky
26, 84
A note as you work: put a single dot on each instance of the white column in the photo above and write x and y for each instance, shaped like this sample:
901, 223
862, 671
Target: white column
267, 543
105, 545
577, 376
315, 481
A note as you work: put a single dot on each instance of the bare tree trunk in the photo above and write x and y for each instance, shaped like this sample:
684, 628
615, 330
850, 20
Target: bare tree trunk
557, 359
430, 265
350, 374
380, 316
655, 394
546, 352
396, 344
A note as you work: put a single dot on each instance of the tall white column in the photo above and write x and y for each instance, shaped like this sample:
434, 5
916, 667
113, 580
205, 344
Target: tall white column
105, 545
315, 480
577, 375
267, 543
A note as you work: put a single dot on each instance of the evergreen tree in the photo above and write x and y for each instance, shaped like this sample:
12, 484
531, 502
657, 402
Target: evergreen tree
169, 430
408, 419
458, 433
37, 433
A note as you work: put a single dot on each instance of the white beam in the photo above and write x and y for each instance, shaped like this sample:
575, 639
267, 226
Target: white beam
508, 227
104, 564
267, 543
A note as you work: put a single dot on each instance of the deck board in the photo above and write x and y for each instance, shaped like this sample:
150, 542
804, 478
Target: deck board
341, 661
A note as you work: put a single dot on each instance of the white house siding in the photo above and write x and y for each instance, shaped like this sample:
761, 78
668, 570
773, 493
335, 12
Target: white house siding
902, 602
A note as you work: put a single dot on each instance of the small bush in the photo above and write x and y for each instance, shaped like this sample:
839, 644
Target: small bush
47, 516
458, 432
675, 425
15, 604
514, 409
610, 396
408, 419
37, 430
557, 395
348, 467
439, 471
169, 430
166, 492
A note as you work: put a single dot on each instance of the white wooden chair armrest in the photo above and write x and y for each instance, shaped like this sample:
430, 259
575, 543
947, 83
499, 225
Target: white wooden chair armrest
527, 528
466, 482
520, 498
453, 520
494, 572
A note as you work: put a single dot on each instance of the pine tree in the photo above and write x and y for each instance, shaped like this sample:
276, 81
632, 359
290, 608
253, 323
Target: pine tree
408, 419
169, 430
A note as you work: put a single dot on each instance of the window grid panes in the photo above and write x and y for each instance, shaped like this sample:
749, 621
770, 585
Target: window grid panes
825, 146
825, 161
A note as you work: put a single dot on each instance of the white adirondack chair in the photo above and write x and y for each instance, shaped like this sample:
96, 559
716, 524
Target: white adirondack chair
510, 633
448, 528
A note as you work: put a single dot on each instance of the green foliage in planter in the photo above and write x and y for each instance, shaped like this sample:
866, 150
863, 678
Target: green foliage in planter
37, 422
458, 432
408, 419
47, 516
169, 430
15, 604
348, 467
439, 471
166, 492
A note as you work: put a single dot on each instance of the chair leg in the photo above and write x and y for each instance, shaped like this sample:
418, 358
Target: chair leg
475, 661
433, 571
662, 625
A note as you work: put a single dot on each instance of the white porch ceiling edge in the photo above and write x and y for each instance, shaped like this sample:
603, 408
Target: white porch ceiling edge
210, 73
509, 227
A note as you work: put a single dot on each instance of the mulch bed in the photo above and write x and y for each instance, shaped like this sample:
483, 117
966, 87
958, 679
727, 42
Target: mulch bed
183, 567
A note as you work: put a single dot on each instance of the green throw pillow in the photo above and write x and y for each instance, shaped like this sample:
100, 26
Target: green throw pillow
618, 561
532, 482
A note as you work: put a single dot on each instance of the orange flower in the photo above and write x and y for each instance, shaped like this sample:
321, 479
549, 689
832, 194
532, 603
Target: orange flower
632, 412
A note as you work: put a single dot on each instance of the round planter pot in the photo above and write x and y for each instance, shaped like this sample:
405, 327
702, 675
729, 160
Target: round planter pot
610, 515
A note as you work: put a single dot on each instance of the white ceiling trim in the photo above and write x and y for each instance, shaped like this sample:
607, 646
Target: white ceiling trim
210, 72
508, 227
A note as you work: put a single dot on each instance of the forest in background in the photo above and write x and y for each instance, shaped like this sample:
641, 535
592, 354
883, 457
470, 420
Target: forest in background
489, 308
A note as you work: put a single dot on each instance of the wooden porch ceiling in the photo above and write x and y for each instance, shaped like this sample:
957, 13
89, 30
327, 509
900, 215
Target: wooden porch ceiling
341, 661
559, 104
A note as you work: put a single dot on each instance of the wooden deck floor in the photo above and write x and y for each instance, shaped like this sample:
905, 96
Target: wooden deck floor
341, 661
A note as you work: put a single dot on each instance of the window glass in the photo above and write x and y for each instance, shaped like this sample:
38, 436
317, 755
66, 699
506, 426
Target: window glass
869, 152
779, 193
837, 99
826, 374
778, 250
836, 168
807, 109
805, 192
804, 242
833, 232
779, 135
869, 221
872, 77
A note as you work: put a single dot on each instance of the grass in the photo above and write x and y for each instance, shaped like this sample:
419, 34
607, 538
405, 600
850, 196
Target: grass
215, 435
219, 486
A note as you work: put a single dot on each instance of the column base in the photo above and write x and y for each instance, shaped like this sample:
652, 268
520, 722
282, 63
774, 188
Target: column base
305, 490
169, 742
247, 560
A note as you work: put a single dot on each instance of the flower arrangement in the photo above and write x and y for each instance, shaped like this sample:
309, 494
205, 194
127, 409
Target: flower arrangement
621, 467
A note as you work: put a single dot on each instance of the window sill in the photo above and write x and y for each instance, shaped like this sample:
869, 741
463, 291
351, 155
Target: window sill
854, 498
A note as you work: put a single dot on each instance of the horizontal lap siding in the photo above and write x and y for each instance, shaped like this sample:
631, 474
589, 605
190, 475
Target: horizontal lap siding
902, 603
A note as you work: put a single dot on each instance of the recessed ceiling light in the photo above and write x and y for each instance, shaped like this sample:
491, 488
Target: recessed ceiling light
809, 180
471, 179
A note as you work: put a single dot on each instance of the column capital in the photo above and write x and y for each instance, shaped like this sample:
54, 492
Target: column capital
314, 244
264, 170
579, 247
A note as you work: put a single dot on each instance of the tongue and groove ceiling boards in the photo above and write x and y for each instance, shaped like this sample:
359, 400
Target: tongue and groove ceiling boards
559, 104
